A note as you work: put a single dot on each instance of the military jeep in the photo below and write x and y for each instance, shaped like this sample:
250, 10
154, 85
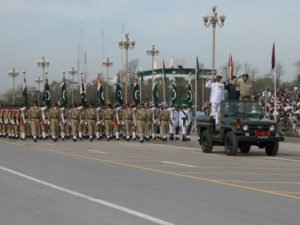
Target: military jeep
241, 125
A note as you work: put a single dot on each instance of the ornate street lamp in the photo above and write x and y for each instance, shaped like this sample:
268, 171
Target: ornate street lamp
126, 44
43, 63
152, 52
213, 20
38, 81
107, 63
72, 72
13, 73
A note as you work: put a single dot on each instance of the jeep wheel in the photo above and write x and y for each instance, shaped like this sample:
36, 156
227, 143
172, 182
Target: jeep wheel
206, 142
231, 143
272, 148
245, 148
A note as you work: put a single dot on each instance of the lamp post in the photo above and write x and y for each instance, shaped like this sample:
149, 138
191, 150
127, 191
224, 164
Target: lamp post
72, 72
13, 73
213, 20
152, 52
43, 63
38, 81
107, 63
126, 44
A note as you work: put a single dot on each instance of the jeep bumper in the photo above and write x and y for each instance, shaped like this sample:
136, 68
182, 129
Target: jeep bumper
257, 139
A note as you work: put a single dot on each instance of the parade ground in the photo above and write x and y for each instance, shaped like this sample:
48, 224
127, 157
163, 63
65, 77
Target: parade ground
129, 183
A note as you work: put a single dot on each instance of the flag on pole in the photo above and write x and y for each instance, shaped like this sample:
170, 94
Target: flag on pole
100, 92
154, 93
174, 92
164, 71
47, 95
197, 69
83, 91
189, 99
119, 97
273, 62
230, 68
64, 98
136, 91
24, 92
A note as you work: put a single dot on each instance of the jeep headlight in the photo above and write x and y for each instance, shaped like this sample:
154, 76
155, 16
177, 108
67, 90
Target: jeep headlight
272, 128
245, 127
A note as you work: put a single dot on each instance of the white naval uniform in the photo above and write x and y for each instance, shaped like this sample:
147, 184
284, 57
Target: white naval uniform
216, 96
184, 120
174, 117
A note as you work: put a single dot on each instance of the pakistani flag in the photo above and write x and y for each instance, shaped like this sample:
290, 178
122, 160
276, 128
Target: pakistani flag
154, 93
100, 93
24, 93
83, 92
189, 99
136, 92
47, 95
64, 98
174, 92
119, 97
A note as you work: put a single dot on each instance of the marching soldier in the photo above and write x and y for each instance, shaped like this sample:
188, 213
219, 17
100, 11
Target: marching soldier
22, 122
82, 123
99, 123
34, 118
54, 114
90, 118
173, 121
184, 121
149, 122
155, 123
64, 124
164, 118
141, 118
108, 116
118, 116
17, 124
74, 117
128, 121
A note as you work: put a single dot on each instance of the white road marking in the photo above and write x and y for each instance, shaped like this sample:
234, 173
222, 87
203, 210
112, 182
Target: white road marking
282, 159
45, 143
96, 151
178, 164
89, 198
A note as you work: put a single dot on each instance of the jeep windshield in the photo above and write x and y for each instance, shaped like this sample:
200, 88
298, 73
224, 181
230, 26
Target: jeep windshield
241, 110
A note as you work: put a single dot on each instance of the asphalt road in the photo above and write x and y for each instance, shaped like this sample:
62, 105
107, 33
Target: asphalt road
128, 183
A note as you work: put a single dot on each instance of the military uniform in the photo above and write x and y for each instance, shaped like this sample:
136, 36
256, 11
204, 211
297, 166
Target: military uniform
99, 124
82, 124
164, 118
245, 87
34, 118
54, 114
108, 115
90, 118
74, 116
22, 122
128, 121
118, 121
141, 118
64, 124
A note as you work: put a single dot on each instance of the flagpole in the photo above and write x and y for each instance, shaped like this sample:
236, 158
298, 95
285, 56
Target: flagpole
164, 88
273, 62
141, 88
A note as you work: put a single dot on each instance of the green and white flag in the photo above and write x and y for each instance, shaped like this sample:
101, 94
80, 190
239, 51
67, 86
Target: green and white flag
119, 97
136, 92
64, 98
100, 93
189, 99
154, 93
174, 92
47, 94
83, 92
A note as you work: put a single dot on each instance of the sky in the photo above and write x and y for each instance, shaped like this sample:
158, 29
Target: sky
55, 28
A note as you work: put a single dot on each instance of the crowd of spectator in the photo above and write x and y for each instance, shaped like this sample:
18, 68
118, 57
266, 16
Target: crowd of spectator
288, 108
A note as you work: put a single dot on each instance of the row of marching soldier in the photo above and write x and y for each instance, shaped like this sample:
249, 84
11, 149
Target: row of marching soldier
142, 122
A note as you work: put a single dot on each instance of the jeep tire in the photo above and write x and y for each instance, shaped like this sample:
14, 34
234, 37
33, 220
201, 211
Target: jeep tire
272, 148
231, 143
206, 142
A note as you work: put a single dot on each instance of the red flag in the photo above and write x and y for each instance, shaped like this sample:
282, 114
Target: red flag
273, 56
231, 68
